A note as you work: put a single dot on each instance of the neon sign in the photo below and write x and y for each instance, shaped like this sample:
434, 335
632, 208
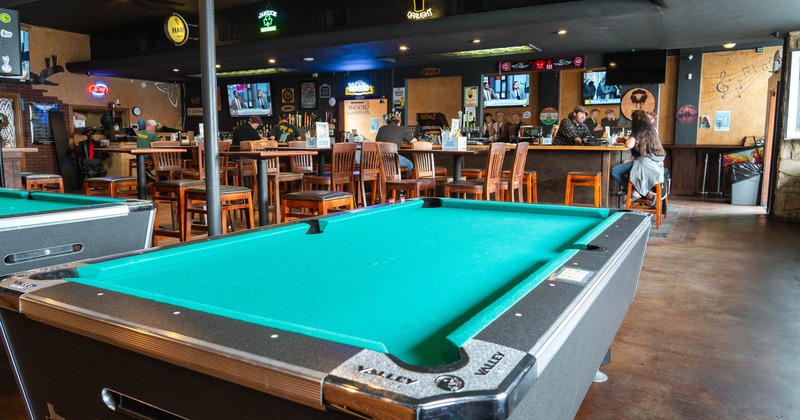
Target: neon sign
98, 90
419, 11
359, 87
267, 18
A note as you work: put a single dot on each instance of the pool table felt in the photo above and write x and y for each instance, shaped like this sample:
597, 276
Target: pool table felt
412, 283
14, 202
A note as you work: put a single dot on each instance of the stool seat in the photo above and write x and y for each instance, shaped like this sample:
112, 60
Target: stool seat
223, 189
584, 179
316, 195
28, 175
319, 201
108, 185
179, 183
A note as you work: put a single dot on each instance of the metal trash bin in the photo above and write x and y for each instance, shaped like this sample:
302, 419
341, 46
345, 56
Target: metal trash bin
745, 180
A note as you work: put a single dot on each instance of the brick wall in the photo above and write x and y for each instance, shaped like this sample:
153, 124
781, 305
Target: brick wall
44, 161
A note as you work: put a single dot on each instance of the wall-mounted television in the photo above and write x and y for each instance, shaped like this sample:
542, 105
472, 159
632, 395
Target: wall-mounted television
639, 67
506, 90
596, 90
25, 58
250, 99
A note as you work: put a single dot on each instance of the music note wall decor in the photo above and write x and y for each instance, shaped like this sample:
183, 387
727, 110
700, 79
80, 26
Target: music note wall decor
731, 83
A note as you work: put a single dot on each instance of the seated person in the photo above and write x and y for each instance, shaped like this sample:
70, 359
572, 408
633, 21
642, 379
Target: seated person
91, 161
647, 167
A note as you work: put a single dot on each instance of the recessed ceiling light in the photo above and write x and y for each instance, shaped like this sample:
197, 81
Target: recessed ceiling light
176, 70
476, 41
218, 66
561, 32
403, 48
612, 64
271, 61
308, 58
729, 45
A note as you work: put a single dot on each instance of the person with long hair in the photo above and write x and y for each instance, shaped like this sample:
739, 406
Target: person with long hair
647, 167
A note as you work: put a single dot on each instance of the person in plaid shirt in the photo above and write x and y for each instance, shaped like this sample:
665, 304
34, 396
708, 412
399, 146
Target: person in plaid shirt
572, 130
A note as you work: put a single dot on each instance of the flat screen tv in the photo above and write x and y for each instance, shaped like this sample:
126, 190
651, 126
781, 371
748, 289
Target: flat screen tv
596, 91
506, 90
25, 58
639, 67
250, 99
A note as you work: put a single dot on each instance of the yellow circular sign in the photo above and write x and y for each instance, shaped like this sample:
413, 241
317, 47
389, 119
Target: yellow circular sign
176, 29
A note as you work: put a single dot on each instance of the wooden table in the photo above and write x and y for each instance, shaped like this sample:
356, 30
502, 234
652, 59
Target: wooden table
12, 165
320, 154
263, 180
141, 171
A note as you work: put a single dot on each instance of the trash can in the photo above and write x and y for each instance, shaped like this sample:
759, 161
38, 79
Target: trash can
745, 179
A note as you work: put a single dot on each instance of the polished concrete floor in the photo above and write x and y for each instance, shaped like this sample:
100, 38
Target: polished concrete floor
714, 331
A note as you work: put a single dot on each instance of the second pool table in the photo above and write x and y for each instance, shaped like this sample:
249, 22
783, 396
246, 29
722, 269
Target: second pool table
435, 308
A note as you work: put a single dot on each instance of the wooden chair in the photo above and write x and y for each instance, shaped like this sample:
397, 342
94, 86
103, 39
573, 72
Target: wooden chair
643, 204
584, 179
172, 191
301, 164
514, 182
425, 167
482, 190
320, 202
343, 157
392, 179
200, 171
370, 170
167, 165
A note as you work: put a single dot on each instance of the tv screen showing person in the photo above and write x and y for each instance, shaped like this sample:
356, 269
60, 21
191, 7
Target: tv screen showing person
506, 90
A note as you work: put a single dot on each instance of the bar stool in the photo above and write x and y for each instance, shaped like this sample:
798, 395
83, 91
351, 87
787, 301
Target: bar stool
110, 185
584, 179
43, 182
172, 191
643, 204
231, 198
321, 202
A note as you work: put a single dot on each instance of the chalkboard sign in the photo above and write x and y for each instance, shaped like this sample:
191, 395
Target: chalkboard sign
40, 122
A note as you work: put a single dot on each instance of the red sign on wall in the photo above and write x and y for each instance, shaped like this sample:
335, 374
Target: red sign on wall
543, 64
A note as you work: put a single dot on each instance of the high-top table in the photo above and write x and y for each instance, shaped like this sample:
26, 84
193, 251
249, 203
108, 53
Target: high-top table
12, 165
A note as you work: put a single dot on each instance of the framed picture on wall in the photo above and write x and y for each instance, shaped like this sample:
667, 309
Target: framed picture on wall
793, 114
308, 95
287, 95
10, 120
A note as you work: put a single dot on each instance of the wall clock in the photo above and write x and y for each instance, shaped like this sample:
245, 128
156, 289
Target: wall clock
136, 111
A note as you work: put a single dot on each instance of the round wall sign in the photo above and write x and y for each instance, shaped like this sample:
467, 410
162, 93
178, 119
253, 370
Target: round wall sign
687, 115
176, 29
548, 116
637, 98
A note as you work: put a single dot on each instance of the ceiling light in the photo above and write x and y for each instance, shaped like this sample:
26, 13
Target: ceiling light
612, 64
271, 61
561, 32
403, 48
218, 66
729, 45
176, 70
476, 41
308, 58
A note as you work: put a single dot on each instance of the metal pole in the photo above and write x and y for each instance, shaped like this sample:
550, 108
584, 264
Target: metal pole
208, 59
719, 175
705, 171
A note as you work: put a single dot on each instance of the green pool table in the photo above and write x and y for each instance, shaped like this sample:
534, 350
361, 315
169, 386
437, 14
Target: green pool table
435, 308
39, 229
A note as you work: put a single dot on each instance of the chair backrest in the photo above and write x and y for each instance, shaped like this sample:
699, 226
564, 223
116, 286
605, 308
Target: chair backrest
300, 164
518, 167
494, 168
223, 146
343, 160
391, 161
167, 163
370, 166
424, 163
270, 143
165, 144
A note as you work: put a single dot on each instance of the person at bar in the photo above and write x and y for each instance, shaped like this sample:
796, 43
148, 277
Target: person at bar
247, 131
393, 133
572, 130
283, 131
594, 124
148, 135
611, 121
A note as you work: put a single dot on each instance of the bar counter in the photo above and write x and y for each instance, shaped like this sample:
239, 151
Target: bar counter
552, 163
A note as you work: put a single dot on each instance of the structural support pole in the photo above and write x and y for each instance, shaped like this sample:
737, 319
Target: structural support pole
208, 60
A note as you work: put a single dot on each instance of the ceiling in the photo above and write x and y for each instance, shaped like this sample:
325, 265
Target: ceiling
593, 27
